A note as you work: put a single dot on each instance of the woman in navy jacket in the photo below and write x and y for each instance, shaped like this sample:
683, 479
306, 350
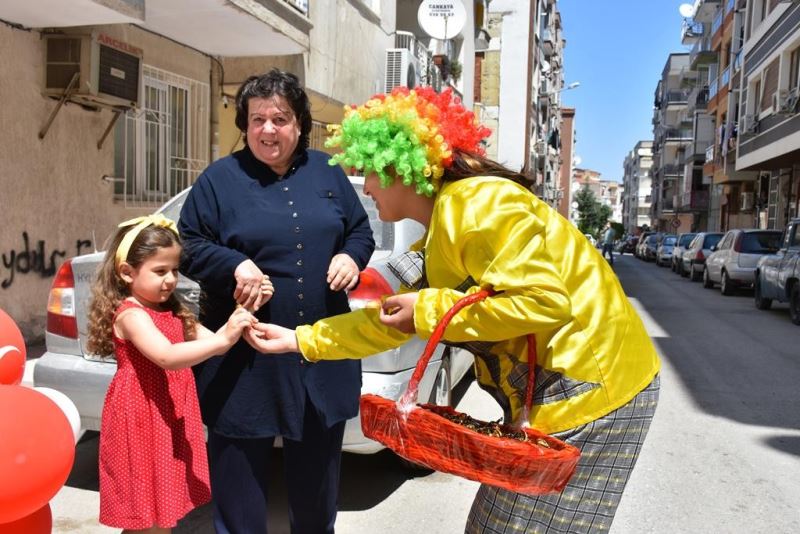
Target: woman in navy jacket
275, 209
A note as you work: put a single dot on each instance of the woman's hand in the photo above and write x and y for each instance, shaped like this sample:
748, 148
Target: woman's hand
397, 311
253, 288
342, 273
271, 338
239, 320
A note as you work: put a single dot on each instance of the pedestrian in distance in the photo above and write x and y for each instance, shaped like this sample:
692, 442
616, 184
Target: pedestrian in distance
153, 462
597, 377
608, 242
275, 208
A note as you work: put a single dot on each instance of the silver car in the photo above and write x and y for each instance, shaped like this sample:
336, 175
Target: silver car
733, 261
694, 257
84, 378
665, 249
677, 252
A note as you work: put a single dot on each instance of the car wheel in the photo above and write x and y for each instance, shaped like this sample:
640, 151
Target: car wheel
694, 276
794, 304
684, 273
441, 395
761, 302
707, 283
725, 284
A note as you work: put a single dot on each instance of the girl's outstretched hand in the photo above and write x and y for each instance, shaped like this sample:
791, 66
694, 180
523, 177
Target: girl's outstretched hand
239, 320
397, 311
271, 338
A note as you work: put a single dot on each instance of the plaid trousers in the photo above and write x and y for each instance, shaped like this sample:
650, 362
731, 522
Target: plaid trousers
609, 448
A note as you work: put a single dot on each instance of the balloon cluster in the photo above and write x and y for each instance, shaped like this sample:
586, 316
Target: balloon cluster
38, 429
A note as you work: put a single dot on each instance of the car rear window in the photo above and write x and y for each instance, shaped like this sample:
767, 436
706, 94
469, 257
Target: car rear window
383, 232
686, 239
669, 240
711, 240
761, 242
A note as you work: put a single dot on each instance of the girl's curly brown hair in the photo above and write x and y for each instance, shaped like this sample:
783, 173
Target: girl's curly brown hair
109, 289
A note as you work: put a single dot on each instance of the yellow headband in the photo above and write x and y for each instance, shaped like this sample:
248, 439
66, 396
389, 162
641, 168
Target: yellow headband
140, 224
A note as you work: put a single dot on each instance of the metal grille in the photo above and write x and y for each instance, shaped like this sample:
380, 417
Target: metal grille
162, 147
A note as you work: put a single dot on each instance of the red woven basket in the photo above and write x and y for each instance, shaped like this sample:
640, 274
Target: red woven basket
420, 434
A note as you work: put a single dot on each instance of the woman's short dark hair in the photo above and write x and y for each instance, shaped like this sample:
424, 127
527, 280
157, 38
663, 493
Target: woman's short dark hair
280, 83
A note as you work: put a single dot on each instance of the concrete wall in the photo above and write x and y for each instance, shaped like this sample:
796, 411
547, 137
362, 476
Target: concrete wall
514, 82
52, 198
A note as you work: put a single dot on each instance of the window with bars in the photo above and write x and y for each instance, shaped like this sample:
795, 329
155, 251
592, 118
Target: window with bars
162, 147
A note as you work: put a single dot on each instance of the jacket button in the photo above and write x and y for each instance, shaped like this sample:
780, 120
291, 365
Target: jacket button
300, 296
330, 194
299, 246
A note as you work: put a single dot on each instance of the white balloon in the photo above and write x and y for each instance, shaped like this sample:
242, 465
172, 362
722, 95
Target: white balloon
67, 406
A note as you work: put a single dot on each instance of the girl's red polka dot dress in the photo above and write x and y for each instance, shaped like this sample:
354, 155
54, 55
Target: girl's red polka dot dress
153, 463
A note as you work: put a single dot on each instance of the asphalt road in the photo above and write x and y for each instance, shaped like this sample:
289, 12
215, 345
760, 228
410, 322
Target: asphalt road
722, 455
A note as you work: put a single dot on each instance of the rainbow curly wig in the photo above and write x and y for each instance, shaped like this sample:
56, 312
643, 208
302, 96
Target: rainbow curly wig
412, 131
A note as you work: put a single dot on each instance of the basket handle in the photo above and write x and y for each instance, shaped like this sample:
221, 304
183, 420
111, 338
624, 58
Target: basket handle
410, 396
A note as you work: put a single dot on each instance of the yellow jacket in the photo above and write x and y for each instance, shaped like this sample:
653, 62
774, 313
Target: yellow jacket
594, 354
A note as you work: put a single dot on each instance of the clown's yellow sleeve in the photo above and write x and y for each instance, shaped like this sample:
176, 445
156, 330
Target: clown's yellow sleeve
491, 232
353, 335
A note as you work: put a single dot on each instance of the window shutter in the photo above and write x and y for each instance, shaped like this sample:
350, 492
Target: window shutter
770, 84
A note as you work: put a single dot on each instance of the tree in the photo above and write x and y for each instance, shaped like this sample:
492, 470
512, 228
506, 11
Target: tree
592, 215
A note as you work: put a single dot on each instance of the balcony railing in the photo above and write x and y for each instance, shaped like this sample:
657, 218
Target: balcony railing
674, 97
678, 133
717, 23
713, 86
702, 53
299, 5
725, 78
672, 169
695, 200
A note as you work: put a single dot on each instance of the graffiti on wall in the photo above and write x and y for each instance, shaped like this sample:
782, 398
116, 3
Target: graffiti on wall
38, 259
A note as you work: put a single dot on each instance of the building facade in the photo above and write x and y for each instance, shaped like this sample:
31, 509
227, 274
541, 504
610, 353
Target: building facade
637, 187
564, 192
768, 142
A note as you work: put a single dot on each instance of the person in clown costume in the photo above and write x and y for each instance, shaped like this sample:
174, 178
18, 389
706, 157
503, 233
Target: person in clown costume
597, 371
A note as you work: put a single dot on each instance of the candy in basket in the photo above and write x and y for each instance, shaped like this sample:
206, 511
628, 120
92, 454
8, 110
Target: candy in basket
522, 460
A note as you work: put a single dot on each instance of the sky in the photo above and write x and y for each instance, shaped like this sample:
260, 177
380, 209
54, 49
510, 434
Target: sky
616, 49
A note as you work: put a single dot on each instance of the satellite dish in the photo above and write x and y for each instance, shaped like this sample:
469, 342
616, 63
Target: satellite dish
441, 20
686, 10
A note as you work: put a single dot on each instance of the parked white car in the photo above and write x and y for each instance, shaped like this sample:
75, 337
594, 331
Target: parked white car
694, 257
677, 252
665, 250
733, 261
84, 377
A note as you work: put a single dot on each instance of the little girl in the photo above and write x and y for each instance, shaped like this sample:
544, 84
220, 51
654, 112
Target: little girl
153, 464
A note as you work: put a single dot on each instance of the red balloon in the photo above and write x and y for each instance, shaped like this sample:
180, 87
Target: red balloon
39, 522
12, 351
36, 451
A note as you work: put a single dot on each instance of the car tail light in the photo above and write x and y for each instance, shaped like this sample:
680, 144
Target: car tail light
699, 256
61, 304
737, 245
371, 288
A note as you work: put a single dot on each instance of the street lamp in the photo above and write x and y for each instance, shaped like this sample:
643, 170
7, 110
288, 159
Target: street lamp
572, 85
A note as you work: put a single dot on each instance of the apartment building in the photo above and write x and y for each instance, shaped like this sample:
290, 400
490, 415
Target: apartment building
637, 187
520, 92
768, 140
564, 196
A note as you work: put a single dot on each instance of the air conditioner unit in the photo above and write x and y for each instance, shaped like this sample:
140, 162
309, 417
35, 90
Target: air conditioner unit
746, 201
789, 100
108, 70
402, 68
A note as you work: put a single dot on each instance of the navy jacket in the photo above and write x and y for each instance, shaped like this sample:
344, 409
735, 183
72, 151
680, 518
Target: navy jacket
291, 227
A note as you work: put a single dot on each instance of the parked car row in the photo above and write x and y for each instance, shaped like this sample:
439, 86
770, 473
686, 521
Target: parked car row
767, 260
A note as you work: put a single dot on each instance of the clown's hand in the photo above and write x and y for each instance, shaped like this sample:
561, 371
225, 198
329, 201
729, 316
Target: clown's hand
398, 312
271, 338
